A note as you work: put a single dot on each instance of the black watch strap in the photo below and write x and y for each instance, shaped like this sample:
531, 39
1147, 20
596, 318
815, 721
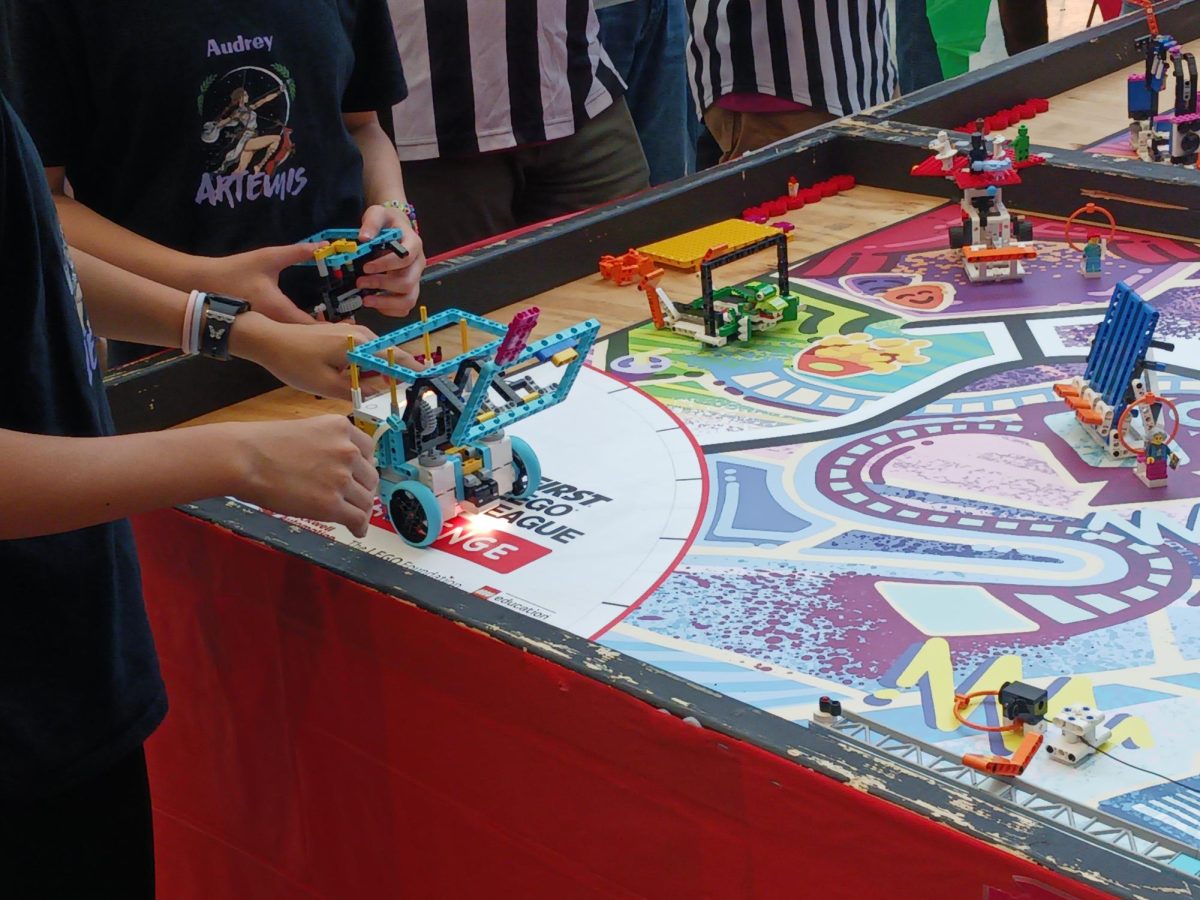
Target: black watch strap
219, 313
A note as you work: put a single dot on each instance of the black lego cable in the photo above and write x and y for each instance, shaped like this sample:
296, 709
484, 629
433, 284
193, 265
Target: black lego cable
1159, 775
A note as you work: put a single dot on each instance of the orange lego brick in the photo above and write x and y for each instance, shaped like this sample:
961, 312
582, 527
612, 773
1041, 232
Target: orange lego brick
998, 254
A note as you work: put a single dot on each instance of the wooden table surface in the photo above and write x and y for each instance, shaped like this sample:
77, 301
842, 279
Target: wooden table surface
1091, 112
833, 221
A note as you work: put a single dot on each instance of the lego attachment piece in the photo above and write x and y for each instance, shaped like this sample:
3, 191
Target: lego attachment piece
340, 262
828, 709
1074, 734
1008, 768
1023, 702
626, 268
517, 336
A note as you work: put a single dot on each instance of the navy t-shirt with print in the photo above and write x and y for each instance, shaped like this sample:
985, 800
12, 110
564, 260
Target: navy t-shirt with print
209, 127
79, 680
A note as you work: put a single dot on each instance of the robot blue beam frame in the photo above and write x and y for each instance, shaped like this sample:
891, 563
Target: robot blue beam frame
366, 355
577, 337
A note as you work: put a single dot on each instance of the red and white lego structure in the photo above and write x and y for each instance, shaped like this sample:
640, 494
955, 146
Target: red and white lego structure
993, 241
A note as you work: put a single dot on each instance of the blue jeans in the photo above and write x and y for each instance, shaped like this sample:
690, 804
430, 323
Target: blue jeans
916, 50
646, 40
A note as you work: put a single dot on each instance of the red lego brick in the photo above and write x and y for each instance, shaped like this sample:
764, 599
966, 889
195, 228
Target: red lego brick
810, 195
844, 182
796, 202
1040, 105
827, 188
776, 207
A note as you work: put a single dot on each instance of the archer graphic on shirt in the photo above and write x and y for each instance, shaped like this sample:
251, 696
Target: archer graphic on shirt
244, 122
249, 132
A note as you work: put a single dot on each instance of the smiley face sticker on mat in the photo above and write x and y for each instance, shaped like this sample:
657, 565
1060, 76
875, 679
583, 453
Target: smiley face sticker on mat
901, 290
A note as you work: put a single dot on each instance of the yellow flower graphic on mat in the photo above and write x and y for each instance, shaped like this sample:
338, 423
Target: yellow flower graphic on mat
845, 355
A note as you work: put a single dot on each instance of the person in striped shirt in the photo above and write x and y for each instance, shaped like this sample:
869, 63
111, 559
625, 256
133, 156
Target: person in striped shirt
515, 114
762, 70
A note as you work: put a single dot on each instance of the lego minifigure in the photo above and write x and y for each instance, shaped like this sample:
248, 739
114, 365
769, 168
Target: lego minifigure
944, 150
1092, 264
1020, 144
1154, 458
978, 152
1096, 249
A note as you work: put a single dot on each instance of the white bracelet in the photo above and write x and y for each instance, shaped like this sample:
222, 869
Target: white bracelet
197, 319
185, 336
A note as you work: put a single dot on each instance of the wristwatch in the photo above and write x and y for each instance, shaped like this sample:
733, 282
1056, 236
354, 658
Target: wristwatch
219, 313
408, 209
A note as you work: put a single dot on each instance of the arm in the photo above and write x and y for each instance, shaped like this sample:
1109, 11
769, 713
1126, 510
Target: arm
316, 467
253, 275
382, 179
128, 307
398, 278
319, 467
91, 232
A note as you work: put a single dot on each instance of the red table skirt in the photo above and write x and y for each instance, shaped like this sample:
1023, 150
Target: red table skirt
328, 740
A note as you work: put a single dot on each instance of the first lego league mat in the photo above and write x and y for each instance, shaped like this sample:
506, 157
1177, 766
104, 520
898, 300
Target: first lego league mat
883, 502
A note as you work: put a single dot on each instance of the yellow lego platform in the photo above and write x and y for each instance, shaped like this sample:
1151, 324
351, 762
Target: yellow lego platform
687, 251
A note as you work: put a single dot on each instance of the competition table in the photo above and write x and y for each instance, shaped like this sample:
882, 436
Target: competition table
352, 719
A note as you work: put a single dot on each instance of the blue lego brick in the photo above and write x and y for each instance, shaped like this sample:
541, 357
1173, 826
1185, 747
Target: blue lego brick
1121, 343
1141, 100
365, 248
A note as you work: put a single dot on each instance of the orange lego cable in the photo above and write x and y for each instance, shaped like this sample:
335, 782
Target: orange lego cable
961, 701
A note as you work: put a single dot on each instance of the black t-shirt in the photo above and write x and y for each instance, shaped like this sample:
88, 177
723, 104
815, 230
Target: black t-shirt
79, 680
209, 127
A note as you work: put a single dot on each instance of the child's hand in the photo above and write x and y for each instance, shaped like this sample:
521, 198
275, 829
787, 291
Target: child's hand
320, 468
399, 278
254, 276
310, 358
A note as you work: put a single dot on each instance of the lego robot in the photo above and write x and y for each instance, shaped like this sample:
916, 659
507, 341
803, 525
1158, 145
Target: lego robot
445, 450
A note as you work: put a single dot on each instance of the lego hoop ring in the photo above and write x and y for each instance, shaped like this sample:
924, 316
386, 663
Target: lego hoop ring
1089, 208
1146, 400
962, 701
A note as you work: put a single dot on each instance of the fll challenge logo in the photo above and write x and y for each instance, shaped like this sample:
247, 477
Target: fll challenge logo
244, 122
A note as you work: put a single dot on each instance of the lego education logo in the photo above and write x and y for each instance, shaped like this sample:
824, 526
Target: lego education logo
495, 595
